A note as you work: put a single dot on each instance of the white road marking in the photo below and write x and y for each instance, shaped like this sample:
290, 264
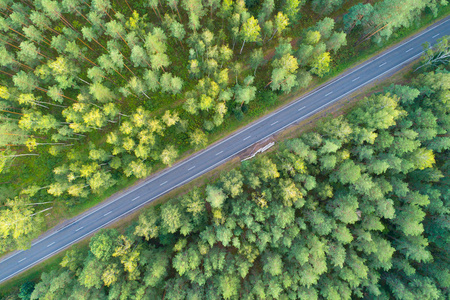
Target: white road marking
219, 153
274, 123
329, 94
216, 164
191, 168
50, 244
382, 64
22, 259
355, 79
408, 50
435, 35
107, 213
301, 108
135, 198
79, 229
163, 183
247, 138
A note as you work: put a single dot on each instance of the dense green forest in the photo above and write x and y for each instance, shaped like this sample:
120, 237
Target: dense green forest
95, 92
357, 208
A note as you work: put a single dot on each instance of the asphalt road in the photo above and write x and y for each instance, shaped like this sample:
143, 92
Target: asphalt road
202, 162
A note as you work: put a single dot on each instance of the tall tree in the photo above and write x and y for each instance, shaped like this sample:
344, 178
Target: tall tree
250, 31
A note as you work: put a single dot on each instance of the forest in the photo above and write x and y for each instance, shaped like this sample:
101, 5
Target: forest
358, 207
96, 94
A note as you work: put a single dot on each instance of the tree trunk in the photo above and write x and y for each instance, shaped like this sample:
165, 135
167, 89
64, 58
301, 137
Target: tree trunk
129, 6
7, 73
275, 32
83, 80
242, 47
83, 16
178, 13
9, 44
86, 44
370, 35
17, 155
129, 70
40, 211
11, 112
99, 44
40, 202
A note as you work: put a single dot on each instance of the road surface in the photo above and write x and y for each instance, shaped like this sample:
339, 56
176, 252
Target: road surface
106, 213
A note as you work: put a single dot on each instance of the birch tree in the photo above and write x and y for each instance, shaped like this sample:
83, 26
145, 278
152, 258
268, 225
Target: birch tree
250, 31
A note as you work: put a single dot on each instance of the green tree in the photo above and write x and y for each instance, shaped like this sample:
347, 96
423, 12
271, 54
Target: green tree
344, 207
137, 168
100, 181
436, 55
348, 172
101, 93
169, 155
245, 93
266, 10
215, 196
355, 14
19, 222
336, 41
28, 53
273, 263
171, 217
139, 57
26, 289
291, 8
232, 183
25, 82
148, 224
198, 139
283, 75
324, 27
321, 64
250, 31
280, 22
103, 243
256, 59
177, 30
91, 275
229, 286
312, 37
